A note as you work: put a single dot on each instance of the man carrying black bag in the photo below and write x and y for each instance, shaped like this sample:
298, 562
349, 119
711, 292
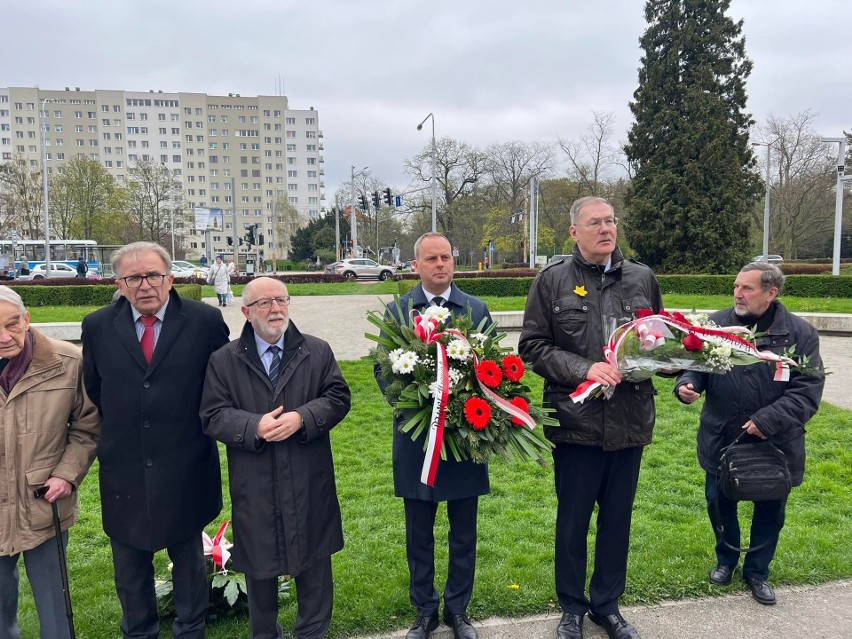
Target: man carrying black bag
749, 399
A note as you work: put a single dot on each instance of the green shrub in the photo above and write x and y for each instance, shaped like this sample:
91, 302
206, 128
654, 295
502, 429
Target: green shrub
795, 286
86, 295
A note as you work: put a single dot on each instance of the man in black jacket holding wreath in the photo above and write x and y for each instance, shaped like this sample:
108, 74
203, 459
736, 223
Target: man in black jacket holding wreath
573, 306
748, 398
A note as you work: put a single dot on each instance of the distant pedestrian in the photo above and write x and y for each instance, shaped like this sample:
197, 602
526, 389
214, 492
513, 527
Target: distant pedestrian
220, 277
203, 260
82, 267
232, 268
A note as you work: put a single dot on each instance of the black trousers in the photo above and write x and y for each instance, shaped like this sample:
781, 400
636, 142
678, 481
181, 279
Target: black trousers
420, 550
585, 476
314, 597
766, 523
134, 584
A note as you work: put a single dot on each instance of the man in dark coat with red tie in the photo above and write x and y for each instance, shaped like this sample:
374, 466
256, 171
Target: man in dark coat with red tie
144, 359
459, 484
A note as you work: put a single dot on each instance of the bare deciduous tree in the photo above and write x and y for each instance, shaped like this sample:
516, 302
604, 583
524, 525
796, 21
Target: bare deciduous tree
802, 177
592, 156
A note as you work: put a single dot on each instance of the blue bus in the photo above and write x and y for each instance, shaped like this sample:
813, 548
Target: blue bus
23, 255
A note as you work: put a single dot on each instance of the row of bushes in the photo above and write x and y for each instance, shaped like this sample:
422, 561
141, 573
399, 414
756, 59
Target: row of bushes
91, 295
796, 285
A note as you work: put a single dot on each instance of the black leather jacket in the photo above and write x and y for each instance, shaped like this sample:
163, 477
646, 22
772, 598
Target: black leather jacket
572, 308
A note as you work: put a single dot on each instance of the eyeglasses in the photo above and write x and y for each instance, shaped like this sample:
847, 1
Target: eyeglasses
135, 281
594, 225
265, 303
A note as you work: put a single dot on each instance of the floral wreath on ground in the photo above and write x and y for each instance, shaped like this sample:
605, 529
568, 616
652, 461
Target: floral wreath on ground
443, 374
673, 341
228, 591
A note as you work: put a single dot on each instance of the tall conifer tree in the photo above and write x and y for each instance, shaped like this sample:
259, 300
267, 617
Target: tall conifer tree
694, 181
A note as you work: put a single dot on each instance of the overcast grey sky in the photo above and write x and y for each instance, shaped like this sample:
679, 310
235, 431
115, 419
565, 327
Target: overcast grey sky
489, 70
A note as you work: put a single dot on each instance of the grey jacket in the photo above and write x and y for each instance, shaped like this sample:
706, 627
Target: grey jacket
572, 308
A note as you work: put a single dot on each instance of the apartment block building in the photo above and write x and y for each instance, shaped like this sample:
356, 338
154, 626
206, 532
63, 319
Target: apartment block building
241, 155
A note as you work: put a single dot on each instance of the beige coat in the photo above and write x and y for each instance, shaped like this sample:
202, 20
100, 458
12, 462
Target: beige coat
48, 427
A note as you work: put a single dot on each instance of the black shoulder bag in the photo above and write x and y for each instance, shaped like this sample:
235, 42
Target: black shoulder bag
756, 471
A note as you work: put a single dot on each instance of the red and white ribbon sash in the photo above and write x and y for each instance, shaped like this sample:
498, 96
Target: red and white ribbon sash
217, 548
648, 329
426, 330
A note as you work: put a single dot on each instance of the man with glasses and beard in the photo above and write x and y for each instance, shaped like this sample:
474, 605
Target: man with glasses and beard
272, 396
144, 359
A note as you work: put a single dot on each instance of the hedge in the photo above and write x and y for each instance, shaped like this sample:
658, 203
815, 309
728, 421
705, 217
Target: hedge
795, 285
86, 295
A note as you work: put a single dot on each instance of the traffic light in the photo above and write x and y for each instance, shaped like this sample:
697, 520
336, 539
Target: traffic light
363, 202
260, 239
250, 235
376, 199
388, 197
230, 241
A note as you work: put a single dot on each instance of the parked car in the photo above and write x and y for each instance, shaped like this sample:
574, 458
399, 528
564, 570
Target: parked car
189, 266
332, 268
772, 259
357, 268
57, 269
181, 273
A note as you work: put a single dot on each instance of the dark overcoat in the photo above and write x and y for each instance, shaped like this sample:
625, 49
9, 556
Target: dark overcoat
453, 480
159, 474
779, 409
283, 494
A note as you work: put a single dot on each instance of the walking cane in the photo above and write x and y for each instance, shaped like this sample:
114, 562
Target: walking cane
63, 561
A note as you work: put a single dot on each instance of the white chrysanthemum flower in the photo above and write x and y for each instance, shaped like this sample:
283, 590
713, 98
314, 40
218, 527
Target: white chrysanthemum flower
479, 337
437, 312
394, 355
458, 349
405, 363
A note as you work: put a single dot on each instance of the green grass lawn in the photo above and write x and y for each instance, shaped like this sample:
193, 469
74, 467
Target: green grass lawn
671, 548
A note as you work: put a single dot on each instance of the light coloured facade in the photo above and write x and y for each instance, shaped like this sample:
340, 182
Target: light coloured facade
243, 155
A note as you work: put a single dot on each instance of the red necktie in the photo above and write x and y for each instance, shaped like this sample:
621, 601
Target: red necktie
147, 341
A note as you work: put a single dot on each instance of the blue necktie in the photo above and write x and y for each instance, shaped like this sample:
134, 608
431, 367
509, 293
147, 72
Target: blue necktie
275, 367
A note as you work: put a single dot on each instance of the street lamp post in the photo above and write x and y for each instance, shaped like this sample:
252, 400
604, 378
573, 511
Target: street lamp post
768, 145
838, 203
434, 173
168, 175
44, 186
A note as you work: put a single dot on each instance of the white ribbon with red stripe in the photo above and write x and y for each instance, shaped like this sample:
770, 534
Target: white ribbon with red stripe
217, 548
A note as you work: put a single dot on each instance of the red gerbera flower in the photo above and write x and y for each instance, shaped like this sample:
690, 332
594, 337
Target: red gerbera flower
692, 342
489, 373
643, 312
513, 368
477, 412
519, 402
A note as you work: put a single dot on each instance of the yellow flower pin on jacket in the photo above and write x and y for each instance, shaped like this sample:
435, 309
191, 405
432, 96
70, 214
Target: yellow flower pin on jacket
580, 291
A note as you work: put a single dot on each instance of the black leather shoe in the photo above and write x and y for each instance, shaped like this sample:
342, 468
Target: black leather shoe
761, 591
721, 575
461, 626
571, 626
615, 625
423, 627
